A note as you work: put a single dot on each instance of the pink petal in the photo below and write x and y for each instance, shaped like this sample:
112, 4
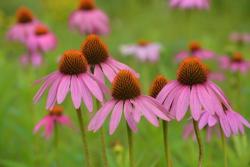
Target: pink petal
63, 88
87, 97
183, 103
41, 123
115, 117
165, 91
51, 100
76, 90
195, 105
128, 113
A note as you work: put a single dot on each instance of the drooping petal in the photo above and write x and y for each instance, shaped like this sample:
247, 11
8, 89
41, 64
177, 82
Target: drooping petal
51, 100
115, 117
76, 90
165, 91
183, 103
86, 96
128, 113
99, 118
195, 105
41, 123
63, 88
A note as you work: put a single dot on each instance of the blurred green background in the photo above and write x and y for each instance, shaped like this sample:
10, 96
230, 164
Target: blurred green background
130, 20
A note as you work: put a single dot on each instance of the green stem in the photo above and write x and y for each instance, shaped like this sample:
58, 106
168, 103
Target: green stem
224, 147
165, 140
56, 144
84, 137
199, 140
130, 146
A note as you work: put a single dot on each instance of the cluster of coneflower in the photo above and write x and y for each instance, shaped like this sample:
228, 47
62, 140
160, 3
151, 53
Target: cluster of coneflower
82, 74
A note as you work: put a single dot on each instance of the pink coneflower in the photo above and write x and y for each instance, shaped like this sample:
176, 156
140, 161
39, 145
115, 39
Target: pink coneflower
88, 19
188, 132
127, 98
235, 63
216, 76
49, 122
33, 58
143, 50
73, 76
25, 23
196, 50
190, 4
41, 40
240, 37
98, 57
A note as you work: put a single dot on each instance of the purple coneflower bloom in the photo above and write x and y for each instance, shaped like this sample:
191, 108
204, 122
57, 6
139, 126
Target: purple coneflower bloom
127, 98
88, 19
216, 76
235, 63
190, 4
54, 117
42, 40
143, 50
188, 132
240, 37
207, 102
73, 76
33, 58
195, 49
25, 24
100, 61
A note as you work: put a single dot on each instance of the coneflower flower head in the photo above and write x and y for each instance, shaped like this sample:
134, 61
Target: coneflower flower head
127, 98
25, 23
55, 116
159, 82
73, 76
88, 19
98, 57
144, 50
195, 49
42, 40
206, 100
235, 63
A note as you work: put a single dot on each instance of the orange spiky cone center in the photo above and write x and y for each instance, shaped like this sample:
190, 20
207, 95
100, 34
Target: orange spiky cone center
143, 42
125, 86
72, 63
87, 5
41, 30
191, 71
157, 85
194, 46
24, 15
237, 57
57, 110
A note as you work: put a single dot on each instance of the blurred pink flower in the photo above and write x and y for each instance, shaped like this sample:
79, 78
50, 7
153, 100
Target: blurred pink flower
55, 117
143, 50
24, 25
188, 132
100, 61
34, 58
190, 4
216, 76
127, 98
240, 37
196, 50
235, 63
88, 19
73, 76
42, 40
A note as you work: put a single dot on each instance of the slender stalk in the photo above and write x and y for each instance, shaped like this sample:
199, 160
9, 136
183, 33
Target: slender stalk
130, 147
224, 147
84, 138
199, 140
104, 152
56, 144
165, 141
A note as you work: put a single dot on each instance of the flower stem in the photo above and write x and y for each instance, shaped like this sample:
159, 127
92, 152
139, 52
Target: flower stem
165, 140
104, 152
199, 140
224, 147
84, 138
130, 146
56, 144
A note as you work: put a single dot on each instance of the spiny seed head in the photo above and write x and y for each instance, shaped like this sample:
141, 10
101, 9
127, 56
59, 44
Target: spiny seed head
125, 86
143, 42
191, 71
41, 30
87, 5
72, 63
94, 50
57, 110
237, 57
159, 82
194, 46
24, 15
